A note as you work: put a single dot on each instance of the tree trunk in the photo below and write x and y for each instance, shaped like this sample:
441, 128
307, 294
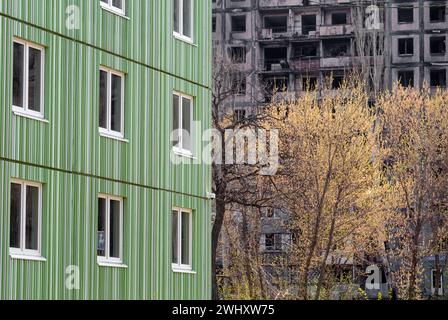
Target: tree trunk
303, 289
246, 253
414, 263
216, 230
327, 252
438, 276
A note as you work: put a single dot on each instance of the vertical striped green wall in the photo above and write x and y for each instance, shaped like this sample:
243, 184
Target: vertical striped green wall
74, 163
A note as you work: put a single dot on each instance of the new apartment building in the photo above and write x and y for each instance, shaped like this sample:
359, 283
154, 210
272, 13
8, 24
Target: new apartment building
98, 101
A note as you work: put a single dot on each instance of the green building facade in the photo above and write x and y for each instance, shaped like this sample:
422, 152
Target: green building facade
92, 205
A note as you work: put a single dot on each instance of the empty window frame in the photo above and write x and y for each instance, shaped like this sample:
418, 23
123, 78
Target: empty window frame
213, 24
309, 83
182, 124
305, 50
28, 78
110, 229
405, 14
240, 114
337, 82
238, 54
25, 218
437, 13
406, 46
111, 108
434, 285
183, 19
278, 24
308, 24
437, 78
437, 45
182, 230
339, 18
337, 48
116, 6
406, 78
275, 241
238, 23
238, 83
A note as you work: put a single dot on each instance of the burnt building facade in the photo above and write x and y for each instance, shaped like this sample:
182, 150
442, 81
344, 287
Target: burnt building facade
284, 47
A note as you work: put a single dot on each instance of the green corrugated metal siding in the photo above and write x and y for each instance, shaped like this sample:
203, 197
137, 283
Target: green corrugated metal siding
74, 163
146, 37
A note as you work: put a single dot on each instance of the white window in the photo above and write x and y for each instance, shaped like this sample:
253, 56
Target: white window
111, 110
116, 6
181, 239
434, 285
182, 124
110, 229
28, 79
183, 17
25, 218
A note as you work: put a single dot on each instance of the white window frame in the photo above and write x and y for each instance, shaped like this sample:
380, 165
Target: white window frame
181, 150
22, 251
108, 132
24, 110
180, 35
179, 267
110, 7
433, 289
106, 260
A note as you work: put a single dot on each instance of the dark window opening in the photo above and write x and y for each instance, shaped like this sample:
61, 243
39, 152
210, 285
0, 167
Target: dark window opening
343, 274
238, 54
437, 45
438, 78
277, 24
406, 46
405, 15
337, 81
214, 24
238, 84
239, 24
437, 13
273, 242
276, 58
308, 24
337, 48
275, 85
406, 78
239, 114
309, 83
305, 50
339, 18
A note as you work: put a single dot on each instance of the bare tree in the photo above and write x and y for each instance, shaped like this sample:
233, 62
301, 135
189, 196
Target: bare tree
233, 184
372, 49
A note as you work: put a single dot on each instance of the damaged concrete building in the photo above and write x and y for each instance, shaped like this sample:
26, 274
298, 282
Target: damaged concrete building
284, 47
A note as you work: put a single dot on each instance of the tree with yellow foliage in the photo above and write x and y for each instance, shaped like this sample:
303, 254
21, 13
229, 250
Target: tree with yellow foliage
414, 149
329, 179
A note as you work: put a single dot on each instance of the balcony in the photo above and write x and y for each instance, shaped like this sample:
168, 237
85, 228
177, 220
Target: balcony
306, 32
275, 33
336, 62
336, 30
274, 65
305, 64
279, 3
